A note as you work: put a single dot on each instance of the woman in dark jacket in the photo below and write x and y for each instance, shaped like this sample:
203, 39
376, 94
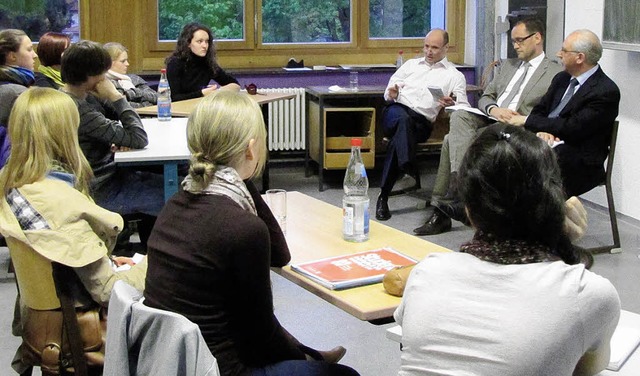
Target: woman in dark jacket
50, 49
193, 65
214, 242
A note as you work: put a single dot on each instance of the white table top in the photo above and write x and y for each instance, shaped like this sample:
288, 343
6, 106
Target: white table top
167, 142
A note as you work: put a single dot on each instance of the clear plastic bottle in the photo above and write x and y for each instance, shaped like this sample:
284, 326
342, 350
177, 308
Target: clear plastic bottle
164, 97
355, 202
399, 59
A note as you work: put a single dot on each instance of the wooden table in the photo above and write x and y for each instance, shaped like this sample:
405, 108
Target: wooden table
314, 231
184, 108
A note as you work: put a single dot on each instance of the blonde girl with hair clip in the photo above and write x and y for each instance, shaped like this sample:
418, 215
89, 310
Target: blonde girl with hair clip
46, 215
132, 86
214, 242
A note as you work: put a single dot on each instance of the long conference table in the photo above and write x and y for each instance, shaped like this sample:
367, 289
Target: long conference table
314, 231
184, 108
168, 140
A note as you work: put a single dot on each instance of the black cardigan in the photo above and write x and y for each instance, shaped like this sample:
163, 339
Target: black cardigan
188, 77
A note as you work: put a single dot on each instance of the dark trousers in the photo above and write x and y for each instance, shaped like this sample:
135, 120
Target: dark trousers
578, 177
404, 128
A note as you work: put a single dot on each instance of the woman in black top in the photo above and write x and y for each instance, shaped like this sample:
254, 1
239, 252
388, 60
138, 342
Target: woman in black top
193, 65
213, 245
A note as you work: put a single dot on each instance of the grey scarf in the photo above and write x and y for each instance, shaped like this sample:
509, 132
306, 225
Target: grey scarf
225, 182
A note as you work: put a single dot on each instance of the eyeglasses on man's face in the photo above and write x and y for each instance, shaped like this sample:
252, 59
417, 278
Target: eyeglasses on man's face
565, 51
520, 40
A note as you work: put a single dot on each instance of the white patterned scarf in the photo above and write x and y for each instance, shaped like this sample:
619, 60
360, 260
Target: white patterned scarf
123, 80
225, 182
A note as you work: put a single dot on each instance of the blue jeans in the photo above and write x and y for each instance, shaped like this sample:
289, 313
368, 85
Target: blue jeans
130, 191
304, 368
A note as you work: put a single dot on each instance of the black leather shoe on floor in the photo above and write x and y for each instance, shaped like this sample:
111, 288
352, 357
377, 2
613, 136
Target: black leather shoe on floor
455, 210
436, 224
382, 209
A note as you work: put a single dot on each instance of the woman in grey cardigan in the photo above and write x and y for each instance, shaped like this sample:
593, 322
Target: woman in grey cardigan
132, 86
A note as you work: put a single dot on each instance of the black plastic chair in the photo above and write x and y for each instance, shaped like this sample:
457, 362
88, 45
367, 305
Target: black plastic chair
615, 247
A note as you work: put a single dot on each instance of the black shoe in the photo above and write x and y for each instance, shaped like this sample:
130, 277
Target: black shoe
382, 209
436, 224
455, 210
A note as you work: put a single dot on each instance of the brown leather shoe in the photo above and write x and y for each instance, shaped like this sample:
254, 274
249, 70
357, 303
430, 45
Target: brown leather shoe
334, 355
436, 224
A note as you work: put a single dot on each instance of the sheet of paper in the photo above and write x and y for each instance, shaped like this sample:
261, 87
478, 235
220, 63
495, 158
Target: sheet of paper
623, 343
436, 92
336, 88
366, 66
297, 69
136, 258
473, 110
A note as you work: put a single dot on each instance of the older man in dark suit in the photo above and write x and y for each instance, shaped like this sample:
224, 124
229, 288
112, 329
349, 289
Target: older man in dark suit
516, 88
579, 109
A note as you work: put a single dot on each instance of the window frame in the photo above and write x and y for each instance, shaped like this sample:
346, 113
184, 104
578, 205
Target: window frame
244, 44
306, 46
147, 54
455, 11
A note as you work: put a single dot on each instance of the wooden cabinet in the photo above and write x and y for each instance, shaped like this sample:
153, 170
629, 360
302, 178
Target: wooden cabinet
339, 126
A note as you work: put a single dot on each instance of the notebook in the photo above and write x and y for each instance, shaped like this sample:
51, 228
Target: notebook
623, 343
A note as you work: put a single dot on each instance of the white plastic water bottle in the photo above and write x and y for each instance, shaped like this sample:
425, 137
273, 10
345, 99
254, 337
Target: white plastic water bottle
355, 203
164, 97
399, 59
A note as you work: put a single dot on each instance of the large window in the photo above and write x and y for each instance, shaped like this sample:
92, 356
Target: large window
224, 17
399, 18
36, 17
302, 21
306, 21
267, 33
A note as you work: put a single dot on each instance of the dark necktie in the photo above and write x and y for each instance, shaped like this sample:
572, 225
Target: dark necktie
567, 97
516, 87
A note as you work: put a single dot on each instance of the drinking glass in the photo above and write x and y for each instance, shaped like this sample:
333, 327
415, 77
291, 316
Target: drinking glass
277, 201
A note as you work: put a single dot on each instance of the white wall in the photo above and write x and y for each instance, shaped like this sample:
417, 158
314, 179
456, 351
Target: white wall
624, 69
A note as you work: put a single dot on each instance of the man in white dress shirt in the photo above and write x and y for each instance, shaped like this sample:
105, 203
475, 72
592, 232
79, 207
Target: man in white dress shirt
408, 119
517, 86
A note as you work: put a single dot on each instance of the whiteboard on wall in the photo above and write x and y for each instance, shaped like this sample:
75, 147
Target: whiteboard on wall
621, 29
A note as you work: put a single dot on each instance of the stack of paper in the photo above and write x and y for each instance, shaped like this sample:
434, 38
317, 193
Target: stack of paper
623, 343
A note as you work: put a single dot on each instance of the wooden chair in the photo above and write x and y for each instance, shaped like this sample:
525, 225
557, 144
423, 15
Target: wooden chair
615, 247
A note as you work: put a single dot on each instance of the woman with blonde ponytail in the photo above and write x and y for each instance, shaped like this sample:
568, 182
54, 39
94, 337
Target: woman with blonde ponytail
214, 242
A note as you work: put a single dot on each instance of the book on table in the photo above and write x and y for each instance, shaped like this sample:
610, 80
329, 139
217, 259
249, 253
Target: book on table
353, 270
